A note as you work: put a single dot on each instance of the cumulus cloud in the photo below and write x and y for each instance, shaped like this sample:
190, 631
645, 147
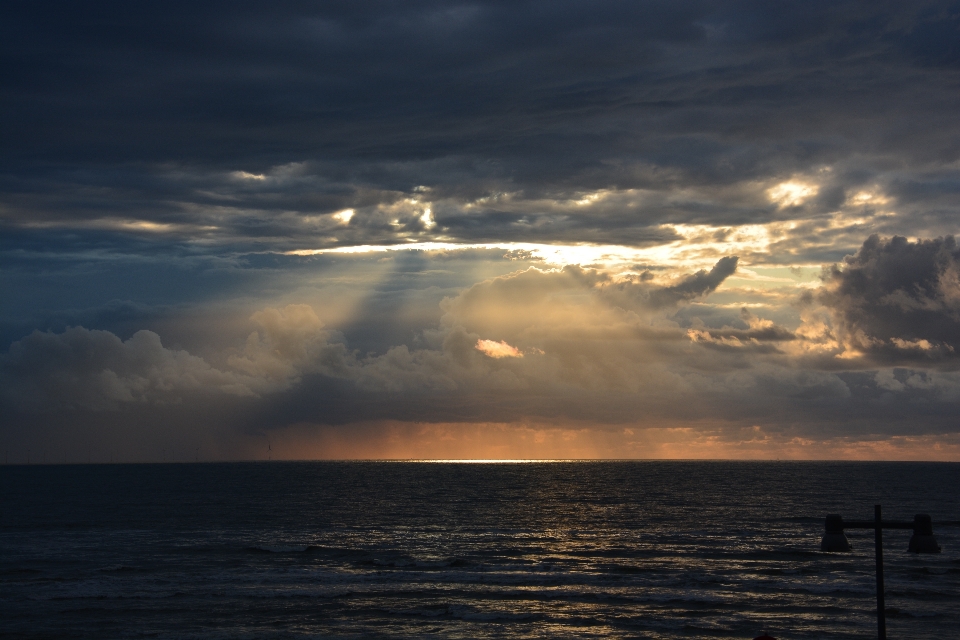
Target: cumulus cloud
80, 368
593, 345
92, 369
897, 301
574, 342
537, 344
577, 326
287, 343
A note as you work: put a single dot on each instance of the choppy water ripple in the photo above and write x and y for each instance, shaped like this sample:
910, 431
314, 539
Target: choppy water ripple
639, 550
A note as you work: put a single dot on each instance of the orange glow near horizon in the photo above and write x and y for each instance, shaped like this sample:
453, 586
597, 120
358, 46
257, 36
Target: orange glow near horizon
501, 443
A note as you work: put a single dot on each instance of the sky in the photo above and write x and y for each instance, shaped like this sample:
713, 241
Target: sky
481, 230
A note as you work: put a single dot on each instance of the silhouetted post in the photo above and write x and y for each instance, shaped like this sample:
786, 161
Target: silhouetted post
878, 536
922, 541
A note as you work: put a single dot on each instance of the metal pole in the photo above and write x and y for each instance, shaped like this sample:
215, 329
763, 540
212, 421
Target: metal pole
881, 614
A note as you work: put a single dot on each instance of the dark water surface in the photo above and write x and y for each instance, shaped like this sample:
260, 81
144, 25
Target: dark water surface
551, 550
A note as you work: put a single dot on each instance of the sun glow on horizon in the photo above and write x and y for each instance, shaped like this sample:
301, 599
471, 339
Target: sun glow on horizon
492, 460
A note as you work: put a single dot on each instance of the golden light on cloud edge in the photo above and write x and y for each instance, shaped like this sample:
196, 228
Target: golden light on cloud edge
498, 349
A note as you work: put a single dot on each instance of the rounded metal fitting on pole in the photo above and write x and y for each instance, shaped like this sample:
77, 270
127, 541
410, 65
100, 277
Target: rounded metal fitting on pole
834, 539
922, 540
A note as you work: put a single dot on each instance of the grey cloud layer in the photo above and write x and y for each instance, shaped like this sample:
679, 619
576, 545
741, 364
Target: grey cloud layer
250, 126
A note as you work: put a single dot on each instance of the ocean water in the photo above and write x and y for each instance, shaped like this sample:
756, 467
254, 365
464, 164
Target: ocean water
531, 550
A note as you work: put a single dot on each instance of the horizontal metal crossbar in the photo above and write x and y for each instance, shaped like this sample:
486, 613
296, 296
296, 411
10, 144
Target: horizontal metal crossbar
870, 524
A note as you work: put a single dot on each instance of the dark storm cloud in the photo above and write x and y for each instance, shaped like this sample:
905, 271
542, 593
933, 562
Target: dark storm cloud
898, 301
153, 111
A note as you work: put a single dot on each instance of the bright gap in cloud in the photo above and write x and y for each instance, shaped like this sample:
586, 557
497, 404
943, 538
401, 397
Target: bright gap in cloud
696, 247
344, 216
427, 218
244, 175
792, 193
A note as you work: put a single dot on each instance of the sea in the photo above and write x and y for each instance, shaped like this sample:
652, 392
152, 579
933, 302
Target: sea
562, 549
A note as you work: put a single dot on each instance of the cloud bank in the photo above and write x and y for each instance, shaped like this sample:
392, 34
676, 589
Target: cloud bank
535, 121
726, 224
561, 346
